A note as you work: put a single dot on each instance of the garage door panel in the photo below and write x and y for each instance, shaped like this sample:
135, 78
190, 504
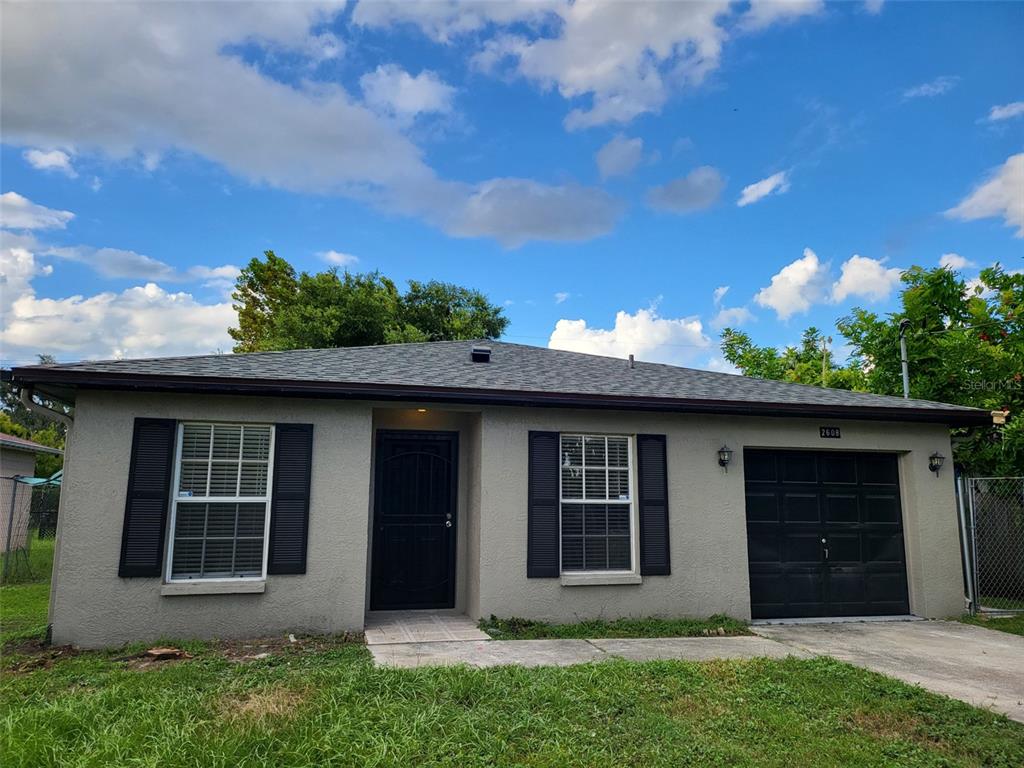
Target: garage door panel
882, 508
763, 507
879, 469
841, 507
798, 467
839, 468
764, 549
760, 467
845, 548
885, 549
797, 498
800, 508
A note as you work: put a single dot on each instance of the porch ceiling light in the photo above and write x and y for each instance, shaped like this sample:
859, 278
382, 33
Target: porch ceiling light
724, 457
935, 462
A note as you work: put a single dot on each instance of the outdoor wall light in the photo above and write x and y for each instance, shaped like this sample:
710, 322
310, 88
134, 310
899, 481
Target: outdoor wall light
935, 462
421, 410
724, 457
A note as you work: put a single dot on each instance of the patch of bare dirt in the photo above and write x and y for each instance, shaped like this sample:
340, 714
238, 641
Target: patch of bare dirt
30, 655
262, 705
892, 725
243, 651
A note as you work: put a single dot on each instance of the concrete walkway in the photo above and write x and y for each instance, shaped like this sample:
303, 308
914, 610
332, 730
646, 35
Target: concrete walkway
984, 667
538, 653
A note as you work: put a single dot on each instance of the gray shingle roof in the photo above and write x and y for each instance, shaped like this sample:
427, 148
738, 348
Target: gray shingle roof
514, 368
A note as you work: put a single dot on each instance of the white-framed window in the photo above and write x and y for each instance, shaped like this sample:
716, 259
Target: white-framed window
220, 508
597, 506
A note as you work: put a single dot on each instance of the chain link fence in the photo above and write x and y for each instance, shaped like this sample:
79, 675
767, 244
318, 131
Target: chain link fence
26, 512
995, 506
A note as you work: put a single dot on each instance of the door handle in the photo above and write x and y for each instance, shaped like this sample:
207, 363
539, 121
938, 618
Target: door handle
825, 542
447, 523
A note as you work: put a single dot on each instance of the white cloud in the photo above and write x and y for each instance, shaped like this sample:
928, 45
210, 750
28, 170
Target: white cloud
955, 261
764, 13
390, 90
728, 316
620, 156
700, 189
562, 296
796, 286
18, 212
731, 317
516, 210
54, 160
140, 321
338, 258
721, 365
121, 264
644, 334
1006, 111
144, 80
776, 184
623, 58
874, 7
937, 87
863, 276
1000, 195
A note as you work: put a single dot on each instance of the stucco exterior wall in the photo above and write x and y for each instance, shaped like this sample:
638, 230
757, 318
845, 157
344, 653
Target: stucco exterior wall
91, 606
707, 513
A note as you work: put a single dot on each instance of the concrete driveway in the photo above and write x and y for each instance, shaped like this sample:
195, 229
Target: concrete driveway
983, 667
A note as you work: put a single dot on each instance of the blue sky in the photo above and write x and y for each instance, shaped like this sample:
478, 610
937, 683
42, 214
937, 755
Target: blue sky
583, 164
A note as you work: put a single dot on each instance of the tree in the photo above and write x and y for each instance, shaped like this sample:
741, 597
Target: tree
448, 311
965, 346
279, 310
262, 289
801, 365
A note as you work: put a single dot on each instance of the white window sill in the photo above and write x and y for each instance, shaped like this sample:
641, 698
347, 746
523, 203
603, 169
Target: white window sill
597, 578
240, 587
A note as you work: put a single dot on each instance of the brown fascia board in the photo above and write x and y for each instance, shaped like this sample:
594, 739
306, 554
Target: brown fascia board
94, 380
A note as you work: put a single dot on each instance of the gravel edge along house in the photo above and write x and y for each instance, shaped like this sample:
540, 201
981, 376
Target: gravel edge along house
241, 495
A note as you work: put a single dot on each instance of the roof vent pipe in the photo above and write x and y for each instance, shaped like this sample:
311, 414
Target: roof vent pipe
631, 361
481, 354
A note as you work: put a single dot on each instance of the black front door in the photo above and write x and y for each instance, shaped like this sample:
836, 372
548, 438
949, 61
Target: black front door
824, 534
414, 520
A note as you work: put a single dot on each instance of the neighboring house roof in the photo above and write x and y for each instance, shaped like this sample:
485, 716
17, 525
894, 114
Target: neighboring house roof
516, 375
13, 443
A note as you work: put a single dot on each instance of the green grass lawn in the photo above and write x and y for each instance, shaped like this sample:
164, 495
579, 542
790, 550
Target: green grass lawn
25, 597
320, 701
524, 629
1013, 624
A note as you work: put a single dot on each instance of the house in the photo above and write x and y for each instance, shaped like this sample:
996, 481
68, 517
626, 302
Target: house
241, 495
17, 459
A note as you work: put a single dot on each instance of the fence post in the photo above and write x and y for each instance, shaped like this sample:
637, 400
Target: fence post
10, 527
965, 546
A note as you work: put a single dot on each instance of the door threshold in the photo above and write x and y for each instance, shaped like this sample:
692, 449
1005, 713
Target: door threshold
834, 620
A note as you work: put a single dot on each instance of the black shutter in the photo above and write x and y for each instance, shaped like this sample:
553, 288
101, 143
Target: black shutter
652, 461
148, 498
542, 514
289, 506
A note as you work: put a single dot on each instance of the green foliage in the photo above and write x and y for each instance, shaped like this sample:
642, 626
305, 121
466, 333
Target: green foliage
278, 309
524, 629
49, 433
965, 346
801, 365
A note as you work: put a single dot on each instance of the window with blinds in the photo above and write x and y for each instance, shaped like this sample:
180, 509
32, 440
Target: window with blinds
596, 503
220, 509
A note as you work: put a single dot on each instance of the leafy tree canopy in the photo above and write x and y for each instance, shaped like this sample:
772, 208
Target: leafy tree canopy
278, 309
965, 346
17, 420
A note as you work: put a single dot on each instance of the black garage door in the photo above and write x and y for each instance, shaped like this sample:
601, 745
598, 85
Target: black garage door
824, 534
